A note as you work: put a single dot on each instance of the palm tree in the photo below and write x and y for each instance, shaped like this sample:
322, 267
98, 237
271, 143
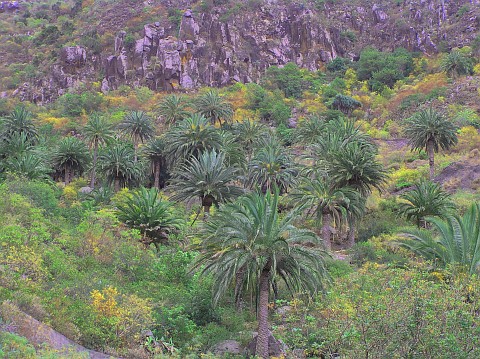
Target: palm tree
213, 107
250, 236
430, 130
97, 132
19, 122
310, 130
272, 167
150, 214
329, 204
71, 156
425, 199
138, 127
456, 63
155, 152
119, 167
173, 108
207, 178
28, 165
190, 137
457, 240
248, 133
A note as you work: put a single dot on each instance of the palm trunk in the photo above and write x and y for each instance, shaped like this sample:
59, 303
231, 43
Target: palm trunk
431, 158
157, 174
95, 156
67, 175
326, 231
207, 203
239, 277
116, 185
261, 349
135, 148
351, 233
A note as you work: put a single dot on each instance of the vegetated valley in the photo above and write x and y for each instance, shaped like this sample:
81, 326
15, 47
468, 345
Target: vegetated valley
229, 179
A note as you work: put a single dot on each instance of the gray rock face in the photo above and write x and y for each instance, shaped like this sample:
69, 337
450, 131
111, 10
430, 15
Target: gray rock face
218, 47
276, 348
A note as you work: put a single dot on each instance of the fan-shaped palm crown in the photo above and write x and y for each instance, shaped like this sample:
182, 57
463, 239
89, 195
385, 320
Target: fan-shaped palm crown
207, 178
213, 107
119, 167
71, 156
173, 108
138, 127
190, 137
250, 236
425, 199
150, 214
19, 122
430, 130
457, 240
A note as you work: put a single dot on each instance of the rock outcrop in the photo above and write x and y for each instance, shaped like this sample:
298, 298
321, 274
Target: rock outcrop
220, 46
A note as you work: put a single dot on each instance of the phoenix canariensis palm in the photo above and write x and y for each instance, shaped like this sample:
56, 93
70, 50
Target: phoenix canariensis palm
455, 240
191, 137
329, 204
28, 165
153, 216
71, 156
430, 130
213, 107
155, 152
19, 122
207, 178
97, 132
137, 126
118, 166
250, 236
173, 108
248, 133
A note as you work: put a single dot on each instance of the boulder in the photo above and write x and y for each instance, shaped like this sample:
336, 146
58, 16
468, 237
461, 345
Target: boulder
227, 347
276, 348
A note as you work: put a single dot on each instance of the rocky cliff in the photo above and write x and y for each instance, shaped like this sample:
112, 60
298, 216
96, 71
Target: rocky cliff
221, 44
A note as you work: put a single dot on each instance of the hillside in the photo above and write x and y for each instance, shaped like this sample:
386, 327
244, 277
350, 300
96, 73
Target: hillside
229, 179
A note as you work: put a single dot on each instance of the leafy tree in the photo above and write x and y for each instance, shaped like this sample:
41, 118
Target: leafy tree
71, 156
271, 167
344, 103
19, 122
190, 137
146, 211
97, 132
119, 167
213, 107
250, 236
329, 204
173, 108
138, 127
430, 130
457, 63
457, 240
155, 152
425, 199
270, 106
288, 78
207, 178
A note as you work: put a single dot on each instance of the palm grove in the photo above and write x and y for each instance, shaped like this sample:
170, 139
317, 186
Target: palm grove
262, 189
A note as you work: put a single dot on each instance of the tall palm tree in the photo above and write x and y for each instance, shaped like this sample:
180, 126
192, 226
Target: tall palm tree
430, 130
97, 132
138, 127
425, 199
213, 107
28, 165
19, 122
119, 167
310, 130
190, 137
207, 178
71, 156
150, 214
329, 204
173, 108
457, 240
155, 152
248, 133
250, 235
272, 166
